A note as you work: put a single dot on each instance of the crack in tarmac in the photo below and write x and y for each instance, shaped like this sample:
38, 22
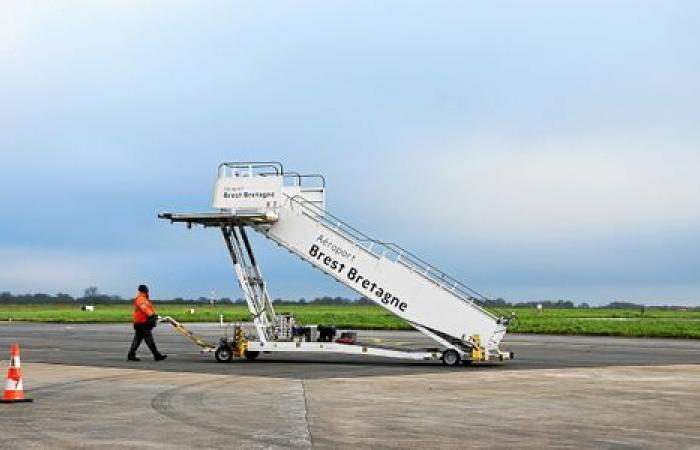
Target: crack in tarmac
306, 412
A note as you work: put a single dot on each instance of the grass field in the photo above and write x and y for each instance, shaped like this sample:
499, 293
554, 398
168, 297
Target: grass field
614, 322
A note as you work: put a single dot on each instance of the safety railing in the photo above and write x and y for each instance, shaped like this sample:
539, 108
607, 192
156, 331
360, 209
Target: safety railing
393, 252
250, 166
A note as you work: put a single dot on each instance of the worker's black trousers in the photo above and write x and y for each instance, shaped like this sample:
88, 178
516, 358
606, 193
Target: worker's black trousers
142, 332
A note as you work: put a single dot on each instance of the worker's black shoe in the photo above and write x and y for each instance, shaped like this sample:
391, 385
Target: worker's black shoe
132, 358
160, 357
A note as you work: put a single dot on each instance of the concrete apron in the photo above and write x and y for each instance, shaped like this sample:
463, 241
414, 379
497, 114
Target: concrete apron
80, 407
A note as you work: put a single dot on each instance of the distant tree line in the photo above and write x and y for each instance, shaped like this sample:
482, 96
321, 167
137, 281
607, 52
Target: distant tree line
92, 295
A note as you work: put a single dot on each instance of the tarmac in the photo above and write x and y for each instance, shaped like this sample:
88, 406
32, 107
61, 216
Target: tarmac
559, 392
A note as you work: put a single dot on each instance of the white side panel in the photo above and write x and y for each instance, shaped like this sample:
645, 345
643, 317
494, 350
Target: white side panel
390, 284
247, 193
330, 347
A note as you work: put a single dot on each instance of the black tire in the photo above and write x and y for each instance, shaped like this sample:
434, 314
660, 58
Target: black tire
223, 354
450, 357
250, 356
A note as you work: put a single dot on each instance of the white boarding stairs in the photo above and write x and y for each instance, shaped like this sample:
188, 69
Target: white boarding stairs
278, 205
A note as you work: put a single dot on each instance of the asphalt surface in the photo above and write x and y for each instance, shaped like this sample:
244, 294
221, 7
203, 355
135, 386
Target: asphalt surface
560, 392
102, 345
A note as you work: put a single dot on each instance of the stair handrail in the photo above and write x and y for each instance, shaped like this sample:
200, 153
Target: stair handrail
404, 257
275, 165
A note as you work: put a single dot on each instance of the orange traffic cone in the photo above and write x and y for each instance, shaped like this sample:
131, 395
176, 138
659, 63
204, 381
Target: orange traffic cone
14, 392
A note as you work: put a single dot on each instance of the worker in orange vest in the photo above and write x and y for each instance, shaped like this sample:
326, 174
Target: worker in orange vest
145, 319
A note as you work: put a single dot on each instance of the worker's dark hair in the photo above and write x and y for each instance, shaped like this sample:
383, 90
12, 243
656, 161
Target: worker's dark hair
143, 288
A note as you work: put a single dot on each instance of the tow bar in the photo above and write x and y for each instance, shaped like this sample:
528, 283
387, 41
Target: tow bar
180, 328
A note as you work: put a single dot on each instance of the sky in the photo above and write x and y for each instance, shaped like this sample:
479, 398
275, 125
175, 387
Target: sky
532, 149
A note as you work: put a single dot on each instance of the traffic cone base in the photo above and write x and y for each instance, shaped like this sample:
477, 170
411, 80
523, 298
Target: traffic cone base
18, 400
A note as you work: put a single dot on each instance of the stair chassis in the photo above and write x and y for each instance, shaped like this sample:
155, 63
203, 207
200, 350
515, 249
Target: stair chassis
242, 346
254, 195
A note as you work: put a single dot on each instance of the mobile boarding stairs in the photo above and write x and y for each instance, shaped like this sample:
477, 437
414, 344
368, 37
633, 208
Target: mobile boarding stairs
289, 209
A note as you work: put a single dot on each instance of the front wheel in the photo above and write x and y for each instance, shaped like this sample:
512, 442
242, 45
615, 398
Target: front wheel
450, 357
223, 353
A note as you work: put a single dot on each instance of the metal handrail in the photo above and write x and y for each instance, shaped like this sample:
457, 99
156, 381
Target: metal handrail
299, 177
403, 256
275, 165
313, 175
430, 267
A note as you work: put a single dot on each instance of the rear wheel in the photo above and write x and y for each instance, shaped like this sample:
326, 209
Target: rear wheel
251, 355
223, 353
450, 357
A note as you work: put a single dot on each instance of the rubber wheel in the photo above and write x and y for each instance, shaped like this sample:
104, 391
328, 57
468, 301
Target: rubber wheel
251, 355
450, 357
223, 353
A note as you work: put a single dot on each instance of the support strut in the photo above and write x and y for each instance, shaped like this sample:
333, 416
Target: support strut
251, 281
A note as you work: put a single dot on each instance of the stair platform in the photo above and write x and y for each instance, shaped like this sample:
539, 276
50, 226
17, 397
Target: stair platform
219, 219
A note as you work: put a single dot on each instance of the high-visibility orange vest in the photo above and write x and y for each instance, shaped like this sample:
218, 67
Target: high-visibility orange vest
142, 308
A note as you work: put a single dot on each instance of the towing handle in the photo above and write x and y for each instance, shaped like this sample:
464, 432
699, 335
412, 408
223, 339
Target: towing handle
180, 328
